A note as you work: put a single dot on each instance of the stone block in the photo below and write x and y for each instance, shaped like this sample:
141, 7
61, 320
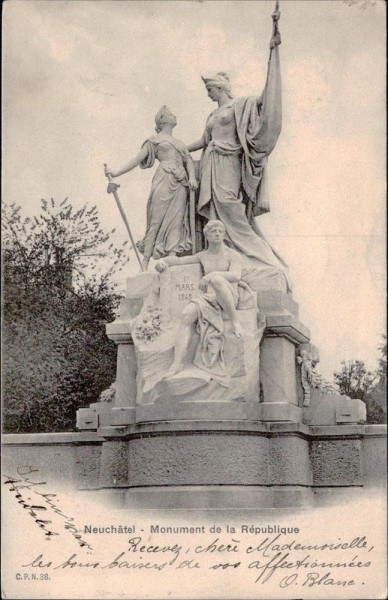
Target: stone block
120, 330
114, 464
126, 374
349, 410
176, 410
375, 455
87, 419
87, 466
278, 370
95, 416
280, 411
198, 459
336, 462
337, 496
287, 325
102, 410
199, 497
347, 430
332, 409
178, 285
52, 455
121, 416
111, 498
49, 440
292, 497
289, 462
322, 409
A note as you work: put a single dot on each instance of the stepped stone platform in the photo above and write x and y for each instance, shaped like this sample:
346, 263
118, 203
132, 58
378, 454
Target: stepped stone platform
209, 464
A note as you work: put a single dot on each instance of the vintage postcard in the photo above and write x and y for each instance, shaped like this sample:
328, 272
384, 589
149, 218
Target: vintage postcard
194, 358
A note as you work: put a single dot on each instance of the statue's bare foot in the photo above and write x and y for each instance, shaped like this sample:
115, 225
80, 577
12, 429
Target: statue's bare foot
173, 370
237, 329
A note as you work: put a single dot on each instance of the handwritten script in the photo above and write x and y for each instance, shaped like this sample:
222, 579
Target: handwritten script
279, 559
274, 554
41, 505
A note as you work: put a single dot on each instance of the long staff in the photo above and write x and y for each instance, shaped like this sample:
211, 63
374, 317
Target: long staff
192, 221
112, 189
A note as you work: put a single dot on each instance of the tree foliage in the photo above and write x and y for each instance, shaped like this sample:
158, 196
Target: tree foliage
57, 298
354, 380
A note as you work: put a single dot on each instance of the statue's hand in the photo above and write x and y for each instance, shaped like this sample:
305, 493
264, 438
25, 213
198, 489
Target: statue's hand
276, 40
161, 266
276, 15
109, 171
193, 183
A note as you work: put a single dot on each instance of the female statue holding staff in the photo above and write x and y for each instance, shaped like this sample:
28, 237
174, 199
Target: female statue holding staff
239, 136
167, 232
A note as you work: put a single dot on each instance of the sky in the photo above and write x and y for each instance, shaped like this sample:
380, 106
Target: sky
83, 81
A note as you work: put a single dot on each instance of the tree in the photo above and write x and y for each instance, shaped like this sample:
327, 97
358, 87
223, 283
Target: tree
380, 389
354, 380
57, 242
377, 397
57, 298
382, 368
375, 414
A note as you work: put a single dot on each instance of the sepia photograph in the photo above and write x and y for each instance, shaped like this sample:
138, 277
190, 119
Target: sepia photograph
194, 357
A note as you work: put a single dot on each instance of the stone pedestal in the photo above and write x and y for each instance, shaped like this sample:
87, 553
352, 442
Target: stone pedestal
258, 445
207, 464
278, 376
119, 331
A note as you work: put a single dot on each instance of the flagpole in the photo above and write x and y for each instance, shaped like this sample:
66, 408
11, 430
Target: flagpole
275, 41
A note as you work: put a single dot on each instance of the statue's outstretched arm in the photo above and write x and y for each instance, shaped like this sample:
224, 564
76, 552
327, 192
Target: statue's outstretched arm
172, 261
134, 162
198, 145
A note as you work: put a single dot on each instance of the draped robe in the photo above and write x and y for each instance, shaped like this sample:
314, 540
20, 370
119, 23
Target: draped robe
234, 174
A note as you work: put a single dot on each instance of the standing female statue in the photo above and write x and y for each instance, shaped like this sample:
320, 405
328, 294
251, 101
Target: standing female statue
167, 232
238, 137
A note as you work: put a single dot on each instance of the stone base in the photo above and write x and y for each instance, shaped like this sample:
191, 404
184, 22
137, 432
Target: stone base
329, 496
122, 416
292, 497
209, 464
280, 411
96, 415
215, 497
207, 497
172, 409
330, 409
175, 410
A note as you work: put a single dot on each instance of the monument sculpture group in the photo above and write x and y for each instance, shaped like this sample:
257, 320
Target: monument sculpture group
216, 384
